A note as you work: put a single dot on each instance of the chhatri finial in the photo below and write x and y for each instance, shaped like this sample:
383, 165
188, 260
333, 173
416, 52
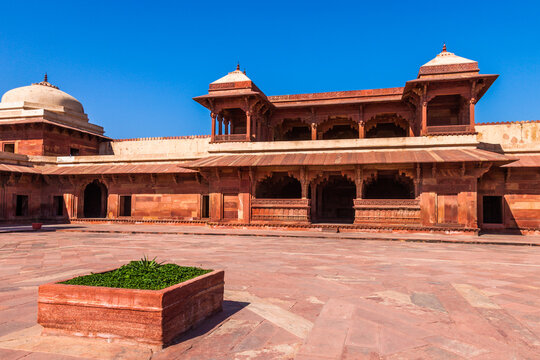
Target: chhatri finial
45, 82
238, 66
244, 71
444, 47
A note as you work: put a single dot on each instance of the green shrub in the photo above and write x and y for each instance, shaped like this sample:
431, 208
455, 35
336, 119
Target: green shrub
142, 274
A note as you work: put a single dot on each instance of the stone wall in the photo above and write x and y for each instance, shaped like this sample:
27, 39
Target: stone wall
188, 147
511, 136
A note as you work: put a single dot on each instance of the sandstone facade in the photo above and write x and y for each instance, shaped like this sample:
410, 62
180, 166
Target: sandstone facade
409, 158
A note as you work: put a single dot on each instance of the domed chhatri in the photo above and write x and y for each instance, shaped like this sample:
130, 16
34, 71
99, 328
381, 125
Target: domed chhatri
45, 95
447, 63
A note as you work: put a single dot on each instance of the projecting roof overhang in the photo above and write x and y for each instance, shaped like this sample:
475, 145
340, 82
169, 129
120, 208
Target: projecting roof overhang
351, 158
110, 169
525, 161
18, 169
488, 81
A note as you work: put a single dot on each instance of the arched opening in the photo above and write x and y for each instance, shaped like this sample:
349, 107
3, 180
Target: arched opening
389, 185
293, 130
95, 200
236, 120
335, 200
279, 186
386, 126
386, 130
445, 110
337, 127
340, 132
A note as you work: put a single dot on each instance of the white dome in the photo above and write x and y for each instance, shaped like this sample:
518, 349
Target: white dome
43, 94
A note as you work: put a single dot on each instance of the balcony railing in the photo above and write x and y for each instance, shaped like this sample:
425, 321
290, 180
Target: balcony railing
230, 138
387, 211
445, 129
281, 210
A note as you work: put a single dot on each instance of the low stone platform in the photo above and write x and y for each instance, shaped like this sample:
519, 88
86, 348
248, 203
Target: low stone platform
295, 296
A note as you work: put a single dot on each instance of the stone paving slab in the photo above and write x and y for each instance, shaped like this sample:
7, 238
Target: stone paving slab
295, 297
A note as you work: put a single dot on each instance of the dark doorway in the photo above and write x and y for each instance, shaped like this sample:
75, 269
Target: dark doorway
95, 200
125, 205
298, 133
335, 200
492, 209
386, 130
341, 132
205, 206
58, 205
389, 186
21, 205
279, 186
9, 147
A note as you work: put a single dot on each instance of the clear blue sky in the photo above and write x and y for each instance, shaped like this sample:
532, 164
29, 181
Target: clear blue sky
135, 65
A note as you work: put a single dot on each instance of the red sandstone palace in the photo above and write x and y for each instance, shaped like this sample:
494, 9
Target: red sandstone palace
407, 158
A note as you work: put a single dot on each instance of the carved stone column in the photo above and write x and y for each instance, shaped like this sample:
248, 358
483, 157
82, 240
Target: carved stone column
213, 117
226, 123
361, 133
220, 123
248, 126
361, 123
359, 182
424, 117
304, 182
313, 131
472, 102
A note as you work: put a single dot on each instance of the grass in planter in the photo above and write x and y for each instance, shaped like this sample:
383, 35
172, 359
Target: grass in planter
143, 274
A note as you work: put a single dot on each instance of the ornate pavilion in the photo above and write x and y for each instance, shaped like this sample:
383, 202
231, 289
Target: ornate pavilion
407, 158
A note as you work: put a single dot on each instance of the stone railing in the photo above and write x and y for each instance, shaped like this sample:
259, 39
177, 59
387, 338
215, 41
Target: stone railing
230, 138
281, 210
387, 211
445, 129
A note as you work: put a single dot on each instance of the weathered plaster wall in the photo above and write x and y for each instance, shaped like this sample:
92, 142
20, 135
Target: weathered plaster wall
190, 147
512, 136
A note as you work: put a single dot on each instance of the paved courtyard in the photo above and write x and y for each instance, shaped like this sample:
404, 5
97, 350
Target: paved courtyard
296, 297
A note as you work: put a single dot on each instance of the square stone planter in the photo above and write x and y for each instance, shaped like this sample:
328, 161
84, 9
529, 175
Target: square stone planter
153, 317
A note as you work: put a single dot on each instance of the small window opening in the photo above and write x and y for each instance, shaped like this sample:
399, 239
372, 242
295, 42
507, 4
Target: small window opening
493, 209
205, 206
21, 206
125, 205
9, 147
73, 152
58, 205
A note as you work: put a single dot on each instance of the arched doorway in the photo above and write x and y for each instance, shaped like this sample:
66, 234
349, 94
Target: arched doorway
95, 200
278, 186
335, 200
389, 186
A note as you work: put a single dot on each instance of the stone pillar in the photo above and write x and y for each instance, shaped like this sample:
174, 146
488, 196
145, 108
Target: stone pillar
213, 136
424, 117
313, 131
472, 102
361, 125
226, 123
304, 182
220, 123
248, 126
313, 202
359, 182
361, 122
